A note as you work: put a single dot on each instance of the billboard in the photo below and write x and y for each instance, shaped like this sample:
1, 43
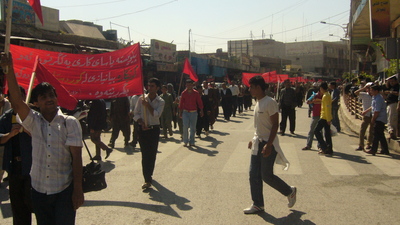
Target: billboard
22, 13
304, 48
162, 51
380, 18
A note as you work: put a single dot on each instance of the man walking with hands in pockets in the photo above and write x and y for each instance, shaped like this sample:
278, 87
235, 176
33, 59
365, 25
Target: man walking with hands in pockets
265, 149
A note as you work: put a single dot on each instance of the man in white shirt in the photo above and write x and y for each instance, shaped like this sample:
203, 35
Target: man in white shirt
366, 98
147, 114
235, 92
56, 172
265, 149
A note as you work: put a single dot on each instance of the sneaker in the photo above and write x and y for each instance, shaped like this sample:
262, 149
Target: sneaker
146, 185
253, 209
292, 197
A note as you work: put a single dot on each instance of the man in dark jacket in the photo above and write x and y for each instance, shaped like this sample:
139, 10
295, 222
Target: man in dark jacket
120, 120
287, 105
97, 121
17, 162
226, 101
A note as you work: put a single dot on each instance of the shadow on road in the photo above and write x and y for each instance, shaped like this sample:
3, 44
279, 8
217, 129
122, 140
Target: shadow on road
203, 150
149, 207
166, 196
220, 133
293, 218
353, 158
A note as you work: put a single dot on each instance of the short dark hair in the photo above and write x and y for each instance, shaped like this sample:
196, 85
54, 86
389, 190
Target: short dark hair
324, 86
333, 83
42, 89
155, 81
258, 81
376, 87
20, 88
189, 81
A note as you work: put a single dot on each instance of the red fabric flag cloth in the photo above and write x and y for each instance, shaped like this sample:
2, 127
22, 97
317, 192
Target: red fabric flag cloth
228, 79
100, 76
65, 99
247, 76
188, 69
37, 8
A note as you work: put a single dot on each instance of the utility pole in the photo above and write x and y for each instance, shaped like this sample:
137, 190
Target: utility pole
190, 30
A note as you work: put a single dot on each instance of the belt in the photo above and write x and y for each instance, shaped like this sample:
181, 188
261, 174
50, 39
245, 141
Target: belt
153, 126
189, 110
17, 159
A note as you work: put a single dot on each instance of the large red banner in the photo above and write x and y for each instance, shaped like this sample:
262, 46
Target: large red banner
100, 76
269, 77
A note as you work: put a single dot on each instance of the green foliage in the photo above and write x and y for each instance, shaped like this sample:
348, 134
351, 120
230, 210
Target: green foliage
392, 68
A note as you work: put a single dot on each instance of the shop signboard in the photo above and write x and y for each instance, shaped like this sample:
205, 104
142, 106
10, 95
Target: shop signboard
162, 51
167, 67
22, 13
380, 18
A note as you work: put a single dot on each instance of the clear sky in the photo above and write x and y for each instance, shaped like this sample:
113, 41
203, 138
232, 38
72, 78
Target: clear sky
212, 22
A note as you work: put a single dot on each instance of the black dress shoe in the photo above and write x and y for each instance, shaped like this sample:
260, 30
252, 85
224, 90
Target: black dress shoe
370, 152
383, 153
108, 152
360, 148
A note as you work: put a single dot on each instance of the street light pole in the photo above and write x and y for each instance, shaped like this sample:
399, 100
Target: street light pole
349, 44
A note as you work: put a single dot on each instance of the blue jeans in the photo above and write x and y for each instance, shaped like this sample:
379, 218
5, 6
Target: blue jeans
313, 125
189, 120
55, 208
262, 169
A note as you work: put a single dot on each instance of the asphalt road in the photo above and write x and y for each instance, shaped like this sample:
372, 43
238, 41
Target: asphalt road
208, 184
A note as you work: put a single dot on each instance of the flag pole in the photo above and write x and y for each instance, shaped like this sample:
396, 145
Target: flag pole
180, 85
8, 30
32, 81
144, 110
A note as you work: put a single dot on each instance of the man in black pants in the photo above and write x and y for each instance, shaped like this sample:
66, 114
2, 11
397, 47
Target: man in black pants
147, 114
379, 119
17, 163
287, 105
120, 120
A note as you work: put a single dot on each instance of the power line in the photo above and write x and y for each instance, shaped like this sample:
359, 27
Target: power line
139, 11
101, 3
276, 33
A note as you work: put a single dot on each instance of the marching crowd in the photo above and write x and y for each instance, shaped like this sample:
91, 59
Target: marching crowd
42, 146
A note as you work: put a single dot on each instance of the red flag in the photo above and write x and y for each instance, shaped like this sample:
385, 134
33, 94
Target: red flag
37, 8
187, 68
228, 79
65, 99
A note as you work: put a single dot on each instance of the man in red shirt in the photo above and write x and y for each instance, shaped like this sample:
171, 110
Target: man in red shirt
189, 103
